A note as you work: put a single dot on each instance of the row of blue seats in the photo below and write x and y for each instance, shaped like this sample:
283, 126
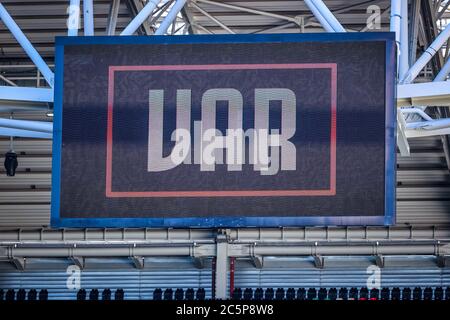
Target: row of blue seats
22, 294
363, 293
179, 294
106, 294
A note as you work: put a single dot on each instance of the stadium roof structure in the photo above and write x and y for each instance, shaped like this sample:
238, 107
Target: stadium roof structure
27, 32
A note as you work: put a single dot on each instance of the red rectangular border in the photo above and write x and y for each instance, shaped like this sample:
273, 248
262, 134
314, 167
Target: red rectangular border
222, 193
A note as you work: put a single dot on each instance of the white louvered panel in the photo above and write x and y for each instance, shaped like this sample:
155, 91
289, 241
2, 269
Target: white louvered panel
112, 273
423, 192
24, 215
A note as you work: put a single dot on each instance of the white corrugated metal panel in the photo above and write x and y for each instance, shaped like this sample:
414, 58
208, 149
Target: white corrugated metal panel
179, 273
137, 284
423, 190
278, 274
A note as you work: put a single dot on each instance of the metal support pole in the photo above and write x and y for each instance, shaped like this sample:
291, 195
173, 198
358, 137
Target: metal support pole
9, 132
112, 17
26, 45
88, 17
7, 81
171, 17
443, 73
404, 52
73, 23
319, 16
26, 94
395, 23
140, 18
40, 126
221, 267
232, 266
328, 15
414, 71
206, 14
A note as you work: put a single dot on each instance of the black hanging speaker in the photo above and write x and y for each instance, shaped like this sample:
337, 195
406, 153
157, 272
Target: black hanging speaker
11, 163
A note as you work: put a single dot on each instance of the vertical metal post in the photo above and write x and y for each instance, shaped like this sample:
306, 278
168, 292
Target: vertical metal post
112, 17
26, 45
395, 23
140, 18
38, 78
213, 278
88, 17
232, 265
319, 16
171, 17
221, 267
73, 22
404, 52
329, 16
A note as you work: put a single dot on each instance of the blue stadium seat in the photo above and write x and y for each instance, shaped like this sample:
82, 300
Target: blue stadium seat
396, 293
248, 294
21, 295
406, 294
301, 294
322, 294
259, 294
106, 294
438, 293
269, 294
279, 294
179, 294
32, 295
332, 294
237, 294
311, 294
343, 294
10, 295
168, 294
201, 294
119, 295
93, 295
290, 294
81, 295
190, 295
43, 295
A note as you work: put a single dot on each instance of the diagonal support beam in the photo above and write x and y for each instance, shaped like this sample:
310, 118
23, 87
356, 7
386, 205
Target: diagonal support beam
112, 17
26, 45
319, 262
321, 11
379, 261
258, 261
171, 17
19, 263
26, 94
140, 18
39, 126
88, 17
249, 10
434, 47
325, 24
79, 262
138, 262
199, 262
212, 18
9, 132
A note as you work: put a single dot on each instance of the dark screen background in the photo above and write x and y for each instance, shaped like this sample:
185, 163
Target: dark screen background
360, 129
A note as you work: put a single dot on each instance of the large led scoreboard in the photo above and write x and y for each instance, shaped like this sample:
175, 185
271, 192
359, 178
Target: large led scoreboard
224, 131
